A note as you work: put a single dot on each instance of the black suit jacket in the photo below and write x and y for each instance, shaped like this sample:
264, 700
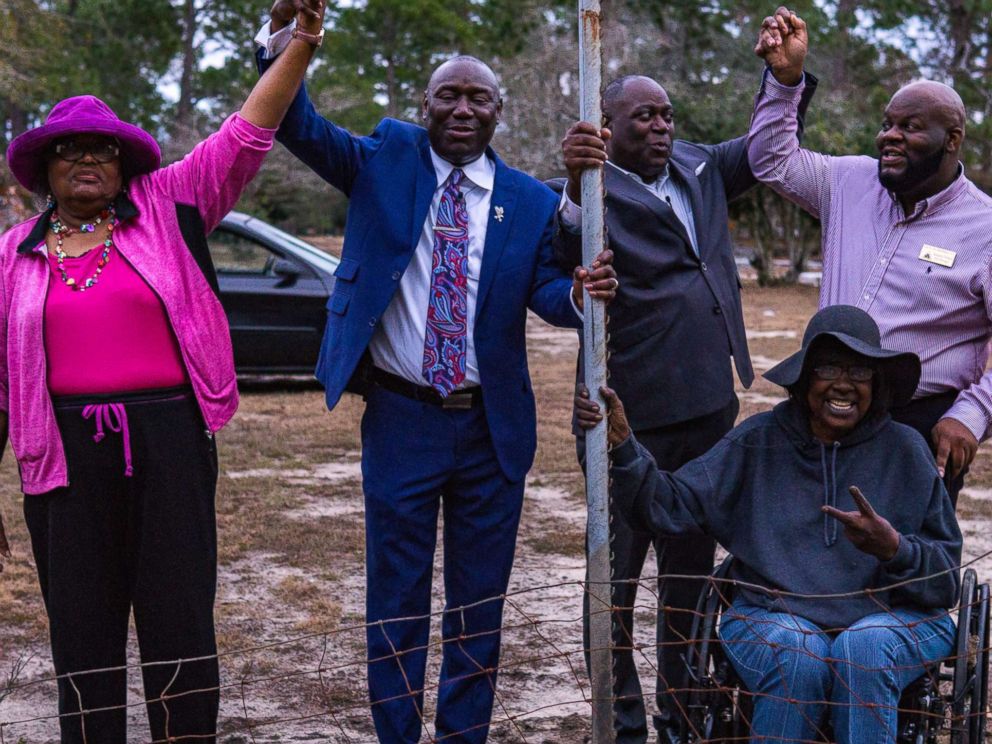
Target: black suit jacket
677, 319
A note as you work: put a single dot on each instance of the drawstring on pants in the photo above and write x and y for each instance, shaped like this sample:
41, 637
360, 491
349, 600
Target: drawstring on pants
104, 414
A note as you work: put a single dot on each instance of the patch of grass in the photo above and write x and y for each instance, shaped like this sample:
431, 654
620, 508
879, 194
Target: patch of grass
304, 543
557, 542
313, 599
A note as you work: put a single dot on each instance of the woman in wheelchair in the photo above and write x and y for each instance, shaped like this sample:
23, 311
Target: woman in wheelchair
822, 623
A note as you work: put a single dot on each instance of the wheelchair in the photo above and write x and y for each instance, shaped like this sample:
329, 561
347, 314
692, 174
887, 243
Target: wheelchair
950, 699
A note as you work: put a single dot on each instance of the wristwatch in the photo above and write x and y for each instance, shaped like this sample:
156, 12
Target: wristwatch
314, 40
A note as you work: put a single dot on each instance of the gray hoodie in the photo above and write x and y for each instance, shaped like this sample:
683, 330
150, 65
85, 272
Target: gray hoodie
759, 493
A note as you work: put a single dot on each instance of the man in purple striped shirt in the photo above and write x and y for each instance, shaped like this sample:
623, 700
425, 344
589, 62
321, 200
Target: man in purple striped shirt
906, 237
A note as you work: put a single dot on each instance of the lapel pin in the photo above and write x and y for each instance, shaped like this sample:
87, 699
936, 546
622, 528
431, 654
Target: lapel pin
499, 214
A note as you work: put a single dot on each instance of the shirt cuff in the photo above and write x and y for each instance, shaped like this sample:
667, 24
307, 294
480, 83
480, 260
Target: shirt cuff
903, 559
772, 88
624, 453
274, 43
971, 416
570, 213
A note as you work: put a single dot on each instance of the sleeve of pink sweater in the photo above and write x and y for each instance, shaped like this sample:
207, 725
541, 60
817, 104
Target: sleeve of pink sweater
4, 370
214, 174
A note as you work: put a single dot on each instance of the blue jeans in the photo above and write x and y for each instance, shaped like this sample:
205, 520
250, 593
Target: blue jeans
795, 670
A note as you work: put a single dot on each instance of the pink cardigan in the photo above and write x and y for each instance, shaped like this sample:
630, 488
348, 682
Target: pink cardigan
211, 179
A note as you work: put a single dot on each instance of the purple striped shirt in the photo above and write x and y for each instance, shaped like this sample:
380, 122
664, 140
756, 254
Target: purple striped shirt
874, 254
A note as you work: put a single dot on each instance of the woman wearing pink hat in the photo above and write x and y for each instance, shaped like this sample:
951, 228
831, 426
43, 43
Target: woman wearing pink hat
115, 372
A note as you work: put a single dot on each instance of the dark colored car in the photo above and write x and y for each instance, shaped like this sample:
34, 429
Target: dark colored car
274, 289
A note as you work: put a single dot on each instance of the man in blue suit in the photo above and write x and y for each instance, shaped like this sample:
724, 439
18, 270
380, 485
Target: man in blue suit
445, 250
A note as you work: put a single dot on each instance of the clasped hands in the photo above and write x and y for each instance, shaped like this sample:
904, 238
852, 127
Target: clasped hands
309, 14
870, 532
783, 43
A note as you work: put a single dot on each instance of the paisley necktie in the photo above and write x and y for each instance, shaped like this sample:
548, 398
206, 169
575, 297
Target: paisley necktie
447, 308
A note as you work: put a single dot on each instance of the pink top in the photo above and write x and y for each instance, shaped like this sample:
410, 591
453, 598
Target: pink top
114, 337
210, 179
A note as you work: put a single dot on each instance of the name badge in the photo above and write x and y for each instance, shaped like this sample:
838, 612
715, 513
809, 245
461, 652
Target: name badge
939, 256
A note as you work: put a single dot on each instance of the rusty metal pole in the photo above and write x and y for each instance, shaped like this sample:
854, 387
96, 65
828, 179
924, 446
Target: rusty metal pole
594, 338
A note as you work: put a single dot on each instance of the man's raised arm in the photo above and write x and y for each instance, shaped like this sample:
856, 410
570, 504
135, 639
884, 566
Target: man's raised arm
773, 148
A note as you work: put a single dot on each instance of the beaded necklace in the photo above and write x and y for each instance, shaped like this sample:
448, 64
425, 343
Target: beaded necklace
60, 230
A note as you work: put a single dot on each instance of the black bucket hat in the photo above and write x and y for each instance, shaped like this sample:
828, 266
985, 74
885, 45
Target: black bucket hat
856, 330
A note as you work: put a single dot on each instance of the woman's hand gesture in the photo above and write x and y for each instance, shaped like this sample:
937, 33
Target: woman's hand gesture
869, 532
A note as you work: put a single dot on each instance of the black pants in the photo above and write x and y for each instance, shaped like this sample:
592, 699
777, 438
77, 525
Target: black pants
923, 414
671, 447
109, 543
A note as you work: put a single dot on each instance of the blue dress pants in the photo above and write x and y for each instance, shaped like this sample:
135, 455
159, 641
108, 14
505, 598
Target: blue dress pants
799, 675
417, 460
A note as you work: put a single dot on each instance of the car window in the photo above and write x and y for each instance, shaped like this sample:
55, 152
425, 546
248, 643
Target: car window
236, 254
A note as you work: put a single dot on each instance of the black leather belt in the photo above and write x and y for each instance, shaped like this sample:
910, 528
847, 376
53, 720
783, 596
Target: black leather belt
462, 399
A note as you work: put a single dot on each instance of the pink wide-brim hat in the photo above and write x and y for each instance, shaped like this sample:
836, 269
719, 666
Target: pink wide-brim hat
80, 115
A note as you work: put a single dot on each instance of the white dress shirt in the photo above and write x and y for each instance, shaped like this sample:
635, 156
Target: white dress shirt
662, 187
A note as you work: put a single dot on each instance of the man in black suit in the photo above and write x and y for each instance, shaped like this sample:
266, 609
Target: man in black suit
674, 326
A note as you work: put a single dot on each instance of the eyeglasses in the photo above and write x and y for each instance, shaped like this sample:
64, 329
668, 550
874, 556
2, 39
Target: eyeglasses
101, 151
855, 373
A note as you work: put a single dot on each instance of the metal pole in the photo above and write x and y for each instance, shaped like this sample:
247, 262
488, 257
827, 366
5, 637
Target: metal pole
594, 337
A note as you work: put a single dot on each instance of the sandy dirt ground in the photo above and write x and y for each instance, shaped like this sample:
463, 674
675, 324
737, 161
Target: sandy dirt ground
291, 594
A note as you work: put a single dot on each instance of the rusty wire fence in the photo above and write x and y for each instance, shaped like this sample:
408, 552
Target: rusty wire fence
318, 680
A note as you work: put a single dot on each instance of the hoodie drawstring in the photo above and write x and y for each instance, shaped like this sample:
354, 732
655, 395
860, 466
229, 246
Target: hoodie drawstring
101, 413
829, 492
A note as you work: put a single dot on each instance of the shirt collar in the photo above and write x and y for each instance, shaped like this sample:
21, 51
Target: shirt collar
481, 171
939, 199
655, 184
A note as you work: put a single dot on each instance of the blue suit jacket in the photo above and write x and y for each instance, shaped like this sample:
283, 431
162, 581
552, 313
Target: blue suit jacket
390, 180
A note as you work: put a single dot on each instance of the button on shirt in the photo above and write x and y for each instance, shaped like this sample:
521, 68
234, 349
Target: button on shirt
663, 187
874, 255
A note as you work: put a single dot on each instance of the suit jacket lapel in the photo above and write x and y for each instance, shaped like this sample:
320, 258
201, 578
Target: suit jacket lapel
623, 185
426, 186
498, 228
690, 179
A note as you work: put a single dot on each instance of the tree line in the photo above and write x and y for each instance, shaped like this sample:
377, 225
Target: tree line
178, 67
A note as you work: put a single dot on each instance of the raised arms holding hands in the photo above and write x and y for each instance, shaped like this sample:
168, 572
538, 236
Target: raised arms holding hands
272, 94
783, 43
309, 14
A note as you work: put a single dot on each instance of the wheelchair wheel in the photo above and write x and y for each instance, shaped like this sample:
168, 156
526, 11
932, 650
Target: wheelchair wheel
980, 678
717, 709
969, 696
699, 721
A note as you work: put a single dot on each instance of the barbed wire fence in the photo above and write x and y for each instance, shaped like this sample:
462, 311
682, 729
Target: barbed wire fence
328, 675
